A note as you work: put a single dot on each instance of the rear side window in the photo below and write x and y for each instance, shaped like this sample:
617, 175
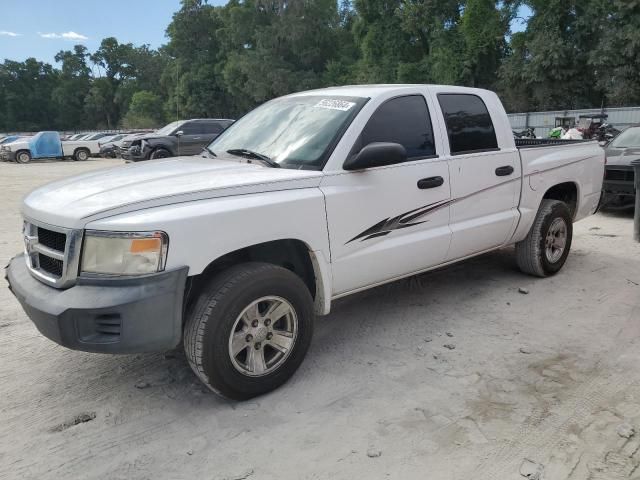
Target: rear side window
403, 120
469, 124
211, 127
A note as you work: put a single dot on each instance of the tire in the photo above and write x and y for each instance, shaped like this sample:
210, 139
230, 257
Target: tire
216, 318
160, 153
81, 155
23, 156
533, 256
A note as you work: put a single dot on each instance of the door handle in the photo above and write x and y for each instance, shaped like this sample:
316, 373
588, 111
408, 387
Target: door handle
504, 171
431, 182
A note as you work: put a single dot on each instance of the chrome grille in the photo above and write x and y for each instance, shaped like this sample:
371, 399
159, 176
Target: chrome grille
51, 239
52, 253
50, 265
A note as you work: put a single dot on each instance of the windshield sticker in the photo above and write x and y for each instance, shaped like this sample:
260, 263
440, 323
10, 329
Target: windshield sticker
333, 104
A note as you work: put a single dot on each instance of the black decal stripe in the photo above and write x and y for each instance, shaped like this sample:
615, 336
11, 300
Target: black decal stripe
401, 221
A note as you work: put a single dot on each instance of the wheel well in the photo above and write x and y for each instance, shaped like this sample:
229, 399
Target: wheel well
565, 192
82, 148
290, 254
161, 147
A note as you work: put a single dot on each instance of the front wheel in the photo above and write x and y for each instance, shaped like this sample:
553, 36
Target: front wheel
249, 330
545, 249
23, 156
160, 153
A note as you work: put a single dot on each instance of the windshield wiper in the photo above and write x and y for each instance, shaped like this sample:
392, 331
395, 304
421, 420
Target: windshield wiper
243, 152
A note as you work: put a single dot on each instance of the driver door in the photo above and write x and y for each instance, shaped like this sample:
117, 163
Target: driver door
390, 221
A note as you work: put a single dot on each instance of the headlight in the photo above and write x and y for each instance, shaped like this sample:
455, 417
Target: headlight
124, 253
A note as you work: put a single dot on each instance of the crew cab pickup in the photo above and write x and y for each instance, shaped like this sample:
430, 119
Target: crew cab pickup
306, 199
48, 145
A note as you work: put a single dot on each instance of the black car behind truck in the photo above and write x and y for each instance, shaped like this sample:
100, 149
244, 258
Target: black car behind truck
183, 137
618, 185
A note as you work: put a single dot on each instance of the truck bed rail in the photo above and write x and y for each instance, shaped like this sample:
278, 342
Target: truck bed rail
544, 142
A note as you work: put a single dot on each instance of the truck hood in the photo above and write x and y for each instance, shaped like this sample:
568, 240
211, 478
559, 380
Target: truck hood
18, 145
622, 156
75, 201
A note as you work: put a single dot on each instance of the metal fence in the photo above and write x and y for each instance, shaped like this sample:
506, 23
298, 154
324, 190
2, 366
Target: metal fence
543, 122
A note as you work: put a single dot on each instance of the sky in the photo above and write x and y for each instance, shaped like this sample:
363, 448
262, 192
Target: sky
41, 28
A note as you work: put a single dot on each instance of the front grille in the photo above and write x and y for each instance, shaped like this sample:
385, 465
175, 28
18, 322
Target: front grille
51, 239
619, 175
52, 253
50, 265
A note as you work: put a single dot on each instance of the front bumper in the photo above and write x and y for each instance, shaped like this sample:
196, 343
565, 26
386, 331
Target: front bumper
136, 154
619, 180
7, 156
104, 315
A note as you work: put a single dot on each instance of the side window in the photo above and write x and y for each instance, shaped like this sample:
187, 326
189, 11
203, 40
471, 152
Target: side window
469, 124
209, 128
403, 120
190, 128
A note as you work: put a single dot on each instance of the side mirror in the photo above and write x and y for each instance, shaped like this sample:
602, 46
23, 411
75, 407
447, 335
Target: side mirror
179, 133
376, 154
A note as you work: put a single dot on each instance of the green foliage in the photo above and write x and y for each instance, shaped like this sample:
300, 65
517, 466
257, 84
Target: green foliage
145, 111
223, 61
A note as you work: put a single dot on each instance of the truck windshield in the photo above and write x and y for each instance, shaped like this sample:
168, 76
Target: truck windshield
296, 132
627, 139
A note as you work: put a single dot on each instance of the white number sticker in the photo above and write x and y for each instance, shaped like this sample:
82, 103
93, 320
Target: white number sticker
333, 104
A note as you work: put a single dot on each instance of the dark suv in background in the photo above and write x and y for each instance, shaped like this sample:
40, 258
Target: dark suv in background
183, 137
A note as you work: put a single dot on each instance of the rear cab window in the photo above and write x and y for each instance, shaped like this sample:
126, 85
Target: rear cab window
469, 125
404, 120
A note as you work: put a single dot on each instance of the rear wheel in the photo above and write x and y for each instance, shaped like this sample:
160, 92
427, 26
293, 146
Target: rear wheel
81, 154
249, 330
545, 249
23, 156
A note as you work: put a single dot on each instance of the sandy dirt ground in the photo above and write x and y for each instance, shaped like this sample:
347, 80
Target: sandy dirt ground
450, 375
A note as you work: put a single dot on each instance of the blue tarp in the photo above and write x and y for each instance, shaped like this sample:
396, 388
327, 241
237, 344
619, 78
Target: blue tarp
45, 145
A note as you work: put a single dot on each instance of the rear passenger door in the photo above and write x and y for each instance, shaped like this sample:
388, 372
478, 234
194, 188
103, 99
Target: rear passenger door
390, 221
485, 176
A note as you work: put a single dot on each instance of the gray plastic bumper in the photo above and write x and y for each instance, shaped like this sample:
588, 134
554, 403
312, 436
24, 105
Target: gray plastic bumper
106, 315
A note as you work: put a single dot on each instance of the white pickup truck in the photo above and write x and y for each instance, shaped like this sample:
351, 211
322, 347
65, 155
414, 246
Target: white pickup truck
48, 145
306, 199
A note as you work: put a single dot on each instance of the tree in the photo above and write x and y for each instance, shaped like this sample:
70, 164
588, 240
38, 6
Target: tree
145, 111
27, 89
483, 28
223, 61
73, 86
